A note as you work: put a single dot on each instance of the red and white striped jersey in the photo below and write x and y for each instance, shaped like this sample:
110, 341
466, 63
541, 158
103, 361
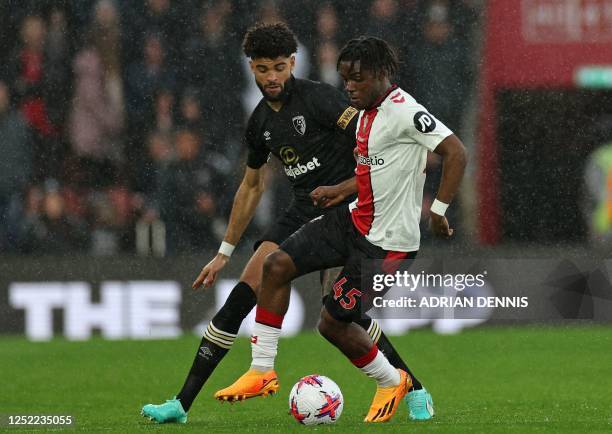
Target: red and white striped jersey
392, 143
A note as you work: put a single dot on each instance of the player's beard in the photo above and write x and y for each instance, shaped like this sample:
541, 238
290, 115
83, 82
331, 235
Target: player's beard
282, 95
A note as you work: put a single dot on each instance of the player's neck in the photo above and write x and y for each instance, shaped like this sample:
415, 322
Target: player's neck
275, 105
385, 89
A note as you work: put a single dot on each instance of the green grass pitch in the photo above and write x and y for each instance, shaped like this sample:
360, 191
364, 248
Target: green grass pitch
488, 380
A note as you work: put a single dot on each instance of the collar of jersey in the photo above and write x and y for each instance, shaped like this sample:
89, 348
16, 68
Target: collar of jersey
382, 98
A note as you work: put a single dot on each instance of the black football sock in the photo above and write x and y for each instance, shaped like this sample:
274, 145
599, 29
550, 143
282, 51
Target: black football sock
380, 339
206, 360
217, 341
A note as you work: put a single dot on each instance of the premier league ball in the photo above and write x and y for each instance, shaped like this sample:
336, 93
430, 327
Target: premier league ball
315, 400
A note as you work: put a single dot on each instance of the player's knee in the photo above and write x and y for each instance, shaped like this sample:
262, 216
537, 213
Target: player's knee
252, 273
278, 267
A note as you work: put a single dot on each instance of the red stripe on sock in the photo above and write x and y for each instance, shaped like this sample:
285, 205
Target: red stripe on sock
360, 362
264, 316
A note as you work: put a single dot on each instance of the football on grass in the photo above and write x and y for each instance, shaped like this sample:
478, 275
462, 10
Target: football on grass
315, 400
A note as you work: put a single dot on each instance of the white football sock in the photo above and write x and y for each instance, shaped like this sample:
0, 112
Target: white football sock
264, 342
382, 371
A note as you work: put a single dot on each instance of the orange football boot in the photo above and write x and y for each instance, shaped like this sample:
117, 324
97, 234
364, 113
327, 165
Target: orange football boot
253, 383
387, 399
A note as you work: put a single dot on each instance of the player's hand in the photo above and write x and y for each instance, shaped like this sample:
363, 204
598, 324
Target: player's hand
208, 275
439, 226
326, 196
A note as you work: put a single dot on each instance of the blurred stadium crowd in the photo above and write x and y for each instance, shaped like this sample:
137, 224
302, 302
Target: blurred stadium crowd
118, 115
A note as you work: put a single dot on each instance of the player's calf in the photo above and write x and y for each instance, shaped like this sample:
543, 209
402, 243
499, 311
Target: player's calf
217, 341
351, 339
278, 270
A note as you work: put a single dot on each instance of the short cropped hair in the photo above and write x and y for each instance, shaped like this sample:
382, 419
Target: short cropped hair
269, 41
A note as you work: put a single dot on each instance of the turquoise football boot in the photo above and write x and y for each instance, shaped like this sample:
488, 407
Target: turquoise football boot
170, 411
420, 405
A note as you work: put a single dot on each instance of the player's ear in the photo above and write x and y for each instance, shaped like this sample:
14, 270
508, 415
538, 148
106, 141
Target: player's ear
252, 65
292, 61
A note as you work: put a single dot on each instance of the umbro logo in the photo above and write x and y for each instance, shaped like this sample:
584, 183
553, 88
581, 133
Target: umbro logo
205, 352
267, 135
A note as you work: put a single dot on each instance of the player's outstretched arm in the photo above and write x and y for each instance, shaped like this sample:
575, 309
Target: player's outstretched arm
245, 202
330, 195
454, 160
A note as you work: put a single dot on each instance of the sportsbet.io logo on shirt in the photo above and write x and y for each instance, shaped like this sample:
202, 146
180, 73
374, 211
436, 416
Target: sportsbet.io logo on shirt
370, 161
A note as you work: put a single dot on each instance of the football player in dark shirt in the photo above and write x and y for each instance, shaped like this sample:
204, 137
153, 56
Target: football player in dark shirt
310, 127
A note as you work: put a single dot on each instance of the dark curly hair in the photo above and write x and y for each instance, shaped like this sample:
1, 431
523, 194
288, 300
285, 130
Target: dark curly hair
374, 54
269, 41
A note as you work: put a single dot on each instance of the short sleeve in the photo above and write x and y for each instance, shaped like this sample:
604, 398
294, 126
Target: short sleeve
257, 152
415, 122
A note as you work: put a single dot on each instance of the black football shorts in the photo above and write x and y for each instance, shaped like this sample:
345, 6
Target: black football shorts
290, 221
331, 241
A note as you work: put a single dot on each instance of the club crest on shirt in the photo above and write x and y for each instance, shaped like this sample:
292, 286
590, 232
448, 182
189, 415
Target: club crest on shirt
299, 123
